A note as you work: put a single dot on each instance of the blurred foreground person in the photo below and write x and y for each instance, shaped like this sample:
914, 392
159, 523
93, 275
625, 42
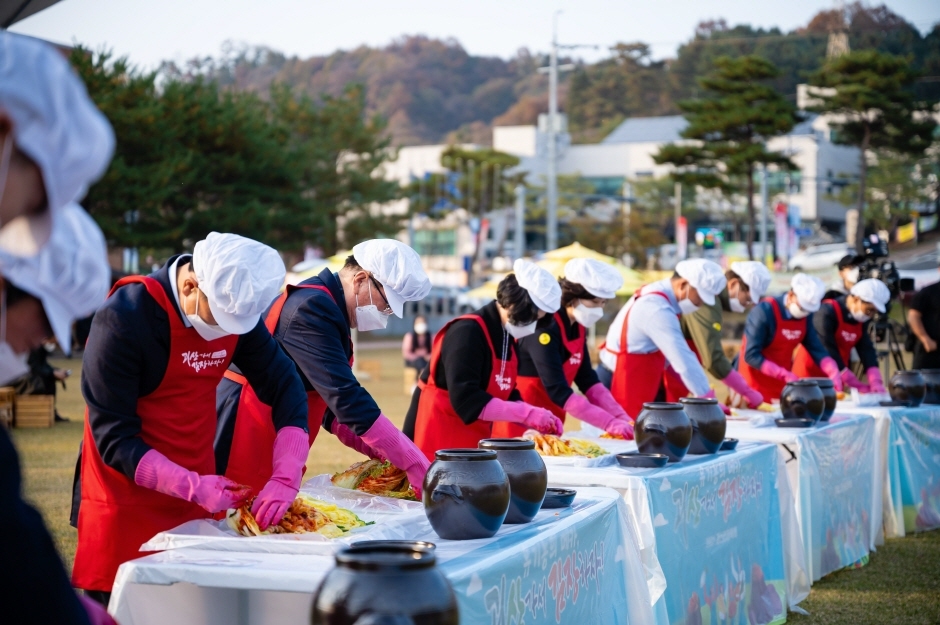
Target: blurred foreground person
645, 341
924, 319
312, 322
158, 347
471, 381
40, 298
53, 141
556, 355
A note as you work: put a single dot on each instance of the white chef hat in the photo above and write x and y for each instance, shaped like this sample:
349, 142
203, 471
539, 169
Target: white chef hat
70, 275
873, 291
56, 124
706, 276
808, 290
397, 267
541, 285
598, 278
240, 278
755, 275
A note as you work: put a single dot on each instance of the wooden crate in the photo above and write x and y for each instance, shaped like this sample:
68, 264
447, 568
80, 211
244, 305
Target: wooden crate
34, 411
7, 395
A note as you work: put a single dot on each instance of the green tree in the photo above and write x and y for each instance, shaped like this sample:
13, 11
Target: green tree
729, 128
870, 96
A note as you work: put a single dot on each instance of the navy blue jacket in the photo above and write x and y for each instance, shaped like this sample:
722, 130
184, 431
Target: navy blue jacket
314, 331
126, 358
544, 359
761, 327
34, 587
826, 322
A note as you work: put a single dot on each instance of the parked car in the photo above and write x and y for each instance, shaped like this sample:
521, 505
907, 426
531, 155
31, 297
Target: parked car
819, 257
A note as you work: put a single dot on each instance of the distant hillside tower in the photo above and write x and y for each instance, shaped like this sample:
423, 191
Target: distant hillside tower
838, 36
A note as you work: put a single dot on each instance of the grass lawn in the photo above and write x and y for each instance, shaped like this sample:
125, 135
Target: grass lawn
900, 586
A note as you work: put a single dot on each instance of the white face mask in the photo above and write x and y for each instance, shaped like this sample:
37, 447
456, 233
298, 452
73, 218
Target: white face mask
736, 305
207, 331
420, 328
13, 366
587, 316
369, 317
851, 276
518, 332
796, 312
860, 317
687, 306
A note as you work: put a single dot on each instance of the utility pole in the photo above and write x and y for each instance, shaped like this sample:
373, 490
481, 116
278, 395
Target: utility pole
520, 221
551, 195
627, 193
763, 213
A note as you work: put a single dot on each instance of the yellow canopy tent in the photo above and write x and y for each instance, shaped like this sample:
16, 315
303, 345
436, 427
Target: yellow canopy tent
333, 263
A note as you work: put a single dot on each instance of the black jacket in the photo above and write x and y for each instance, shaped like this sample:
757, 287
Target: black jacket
543, 354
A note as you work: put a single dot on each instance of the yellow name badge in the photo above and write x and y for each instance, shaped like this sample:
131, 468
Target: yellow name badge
717, 326
544, 338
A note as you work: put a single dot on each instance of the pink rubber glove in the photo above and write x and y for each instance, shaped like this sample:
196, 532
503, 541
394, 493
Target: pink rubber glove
849, 379
213, 492
711, 395
776, 371
735, 381
875, 383
600, 396
621, 427
97, 615
291, 446
831, 369
389, 442
581, 408
349, 438
520, 412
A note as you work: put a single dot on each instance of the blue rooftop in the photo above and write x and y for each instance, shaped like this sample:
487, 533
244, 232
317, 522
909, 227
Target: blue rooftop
648, 130
668, 129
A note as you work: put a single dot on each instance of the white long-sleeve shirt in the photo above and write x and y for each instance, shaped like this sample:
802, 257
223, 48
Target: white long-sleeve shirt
654, 325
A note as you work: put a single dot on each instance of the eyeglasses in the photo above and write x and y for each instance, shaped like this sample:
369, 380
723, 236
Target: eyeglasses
378, 287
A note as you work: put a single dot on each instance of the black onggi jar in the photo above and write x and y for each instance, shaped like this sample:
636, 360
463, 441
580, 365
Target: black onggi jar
528, 477
909, 387
829, 396
663, 428
708, 424
466, 494
932, 383
385, 583
802, 399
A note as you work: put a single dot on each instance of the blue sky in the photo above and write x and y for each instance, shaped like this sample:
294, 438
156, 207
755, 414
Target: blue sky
149, 31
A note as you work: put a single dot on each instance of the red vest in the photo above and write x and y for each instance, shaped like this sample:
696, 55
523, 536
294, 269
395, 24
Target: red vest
251, 458
177, 419
533, 391
847, 336
437, 425
790, 333
675, 387
637, 377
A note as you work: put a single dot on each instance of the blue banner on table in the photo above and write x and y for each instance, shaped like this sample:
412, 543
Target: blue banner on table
574, 575
719, 541
917, 445
836, 518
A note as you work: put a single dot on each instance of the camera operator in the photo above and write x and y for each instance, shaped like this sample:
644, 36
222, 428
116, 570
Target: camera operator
849, 270
842, 324
924, 320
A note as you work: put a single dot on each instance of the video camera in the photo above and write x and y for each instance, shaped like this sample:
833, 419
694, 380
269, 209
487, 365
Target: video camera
877, 265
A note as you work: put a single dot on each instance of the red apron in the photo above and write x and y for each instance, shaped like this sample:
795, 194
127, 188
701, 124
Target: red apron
251, 458
675, 387
637, 377
178, 419
437, 425
533, 391
790, 333
847, 336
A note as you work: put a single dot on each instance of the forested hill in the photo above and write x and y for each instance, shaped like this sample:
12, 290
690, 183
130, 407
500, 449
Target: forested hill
433, 91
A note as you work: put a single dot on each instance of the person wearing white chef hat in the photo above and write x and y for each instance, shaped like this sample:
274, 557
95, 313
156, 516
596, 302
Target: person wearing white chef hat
842, 324
747, 281
157, 349
556, 355
646, 337
471, 381
312, 322
773, 331
53, 141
